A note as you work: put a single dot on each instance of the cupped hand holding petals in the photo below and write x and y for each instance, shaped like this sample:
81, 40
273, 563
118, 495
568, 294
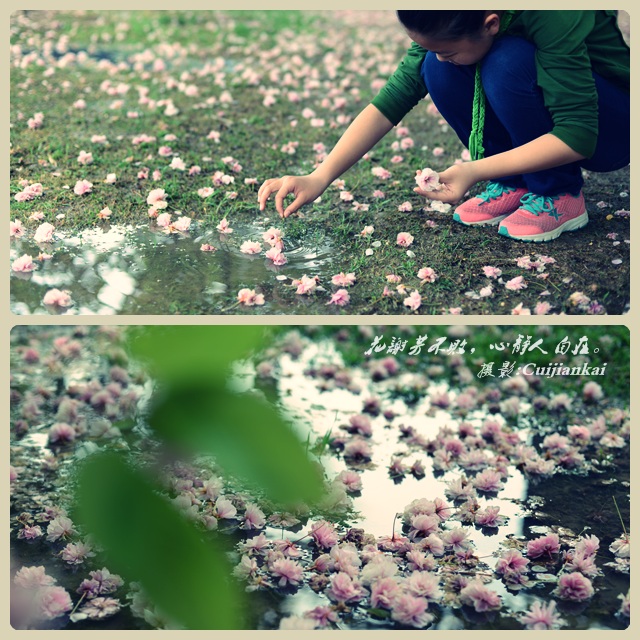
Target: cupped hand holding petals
305, 189
454, 184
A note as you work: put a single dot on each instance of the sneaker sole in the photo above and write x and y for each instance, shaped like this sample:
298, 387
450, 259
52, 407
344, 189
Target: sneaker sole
491, 222
571, 225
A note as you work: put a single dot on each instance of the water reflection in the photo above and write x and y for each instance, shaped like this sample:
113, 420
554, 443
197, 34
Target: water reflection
115, 269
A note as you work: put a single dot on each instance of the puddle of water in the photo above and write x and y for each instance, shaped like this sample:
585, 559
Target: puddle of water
316, 409
141, 270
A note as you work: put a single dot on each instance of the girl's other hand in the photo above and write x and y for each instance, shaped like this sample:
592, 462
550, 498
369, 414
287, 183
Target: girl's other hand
454, 184
305, 189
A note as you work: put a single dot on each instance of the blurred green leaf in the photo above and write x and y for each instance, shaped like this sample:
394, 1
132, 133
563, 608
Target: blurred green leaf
187, 352
247, 437
145, 539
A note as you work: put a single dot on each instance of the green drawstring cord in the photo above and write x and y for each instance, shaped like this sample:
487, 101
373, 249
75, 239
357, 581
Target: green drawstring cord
476, 148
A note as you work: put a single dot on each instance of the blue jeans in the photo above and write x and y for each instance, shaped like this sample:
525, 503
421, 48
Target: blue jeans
516, 114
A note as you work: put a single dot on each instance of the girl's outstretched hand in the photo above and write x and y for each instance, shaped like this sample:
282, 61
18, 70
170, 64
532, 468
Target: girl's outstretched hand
454, 183
305, 189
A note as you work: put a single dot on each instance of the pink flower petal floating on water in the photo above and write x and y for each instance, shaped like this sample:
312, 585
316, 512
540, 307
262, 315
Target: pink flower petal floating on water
480, 597
249, 297
182, 223
23, 264
428, 180
250, 247
574, 586
223, 226
57, 298
164, 220
542, 617
305, 284
44, 233
276, 256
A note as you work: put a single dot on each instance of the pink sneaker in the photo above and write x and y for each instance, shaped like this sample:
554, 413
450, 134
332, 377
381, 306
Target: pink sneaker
495, 203
542, 218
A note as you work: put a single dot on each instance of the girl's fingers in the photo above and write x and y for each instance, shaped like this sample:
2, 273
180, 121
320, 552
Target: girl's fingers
267, 188
294, 206
283, 191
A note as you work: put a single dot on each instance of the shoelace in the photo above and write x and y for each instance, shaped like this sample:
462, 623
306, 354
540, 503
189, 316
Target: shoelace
537, 204
494, 190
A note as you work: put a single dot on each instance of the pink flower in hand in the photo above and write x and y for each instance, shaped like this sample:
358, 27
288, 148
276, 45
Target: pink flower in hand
404, 239
428, 180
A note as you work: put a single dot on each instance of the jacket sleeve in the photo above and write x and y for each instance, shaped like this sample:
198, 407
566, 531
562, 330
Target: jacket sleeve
565, 74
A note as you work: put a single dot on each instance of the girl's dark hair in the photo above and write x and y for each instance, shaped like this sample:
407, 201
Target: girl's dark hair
443, 25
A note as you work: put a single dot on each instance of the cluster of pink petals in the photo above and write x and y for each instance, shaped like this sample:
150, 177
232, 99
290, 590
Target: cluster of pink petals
413, 301
404, 239
542, 617
16, 229
427, 274
543, 546
428, 180
411, 611
157, 199
44, 233
380, 172
340, 298
305, 285
515, 284
57, 298
574, 586
29, 192
36, 121
288, 571
492, 272
324, 534
343, 279
480, 597
250, 298
344, 588
23, 264
223, 226
82, 186
85, 157
351, 480
276, 256
250, 247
